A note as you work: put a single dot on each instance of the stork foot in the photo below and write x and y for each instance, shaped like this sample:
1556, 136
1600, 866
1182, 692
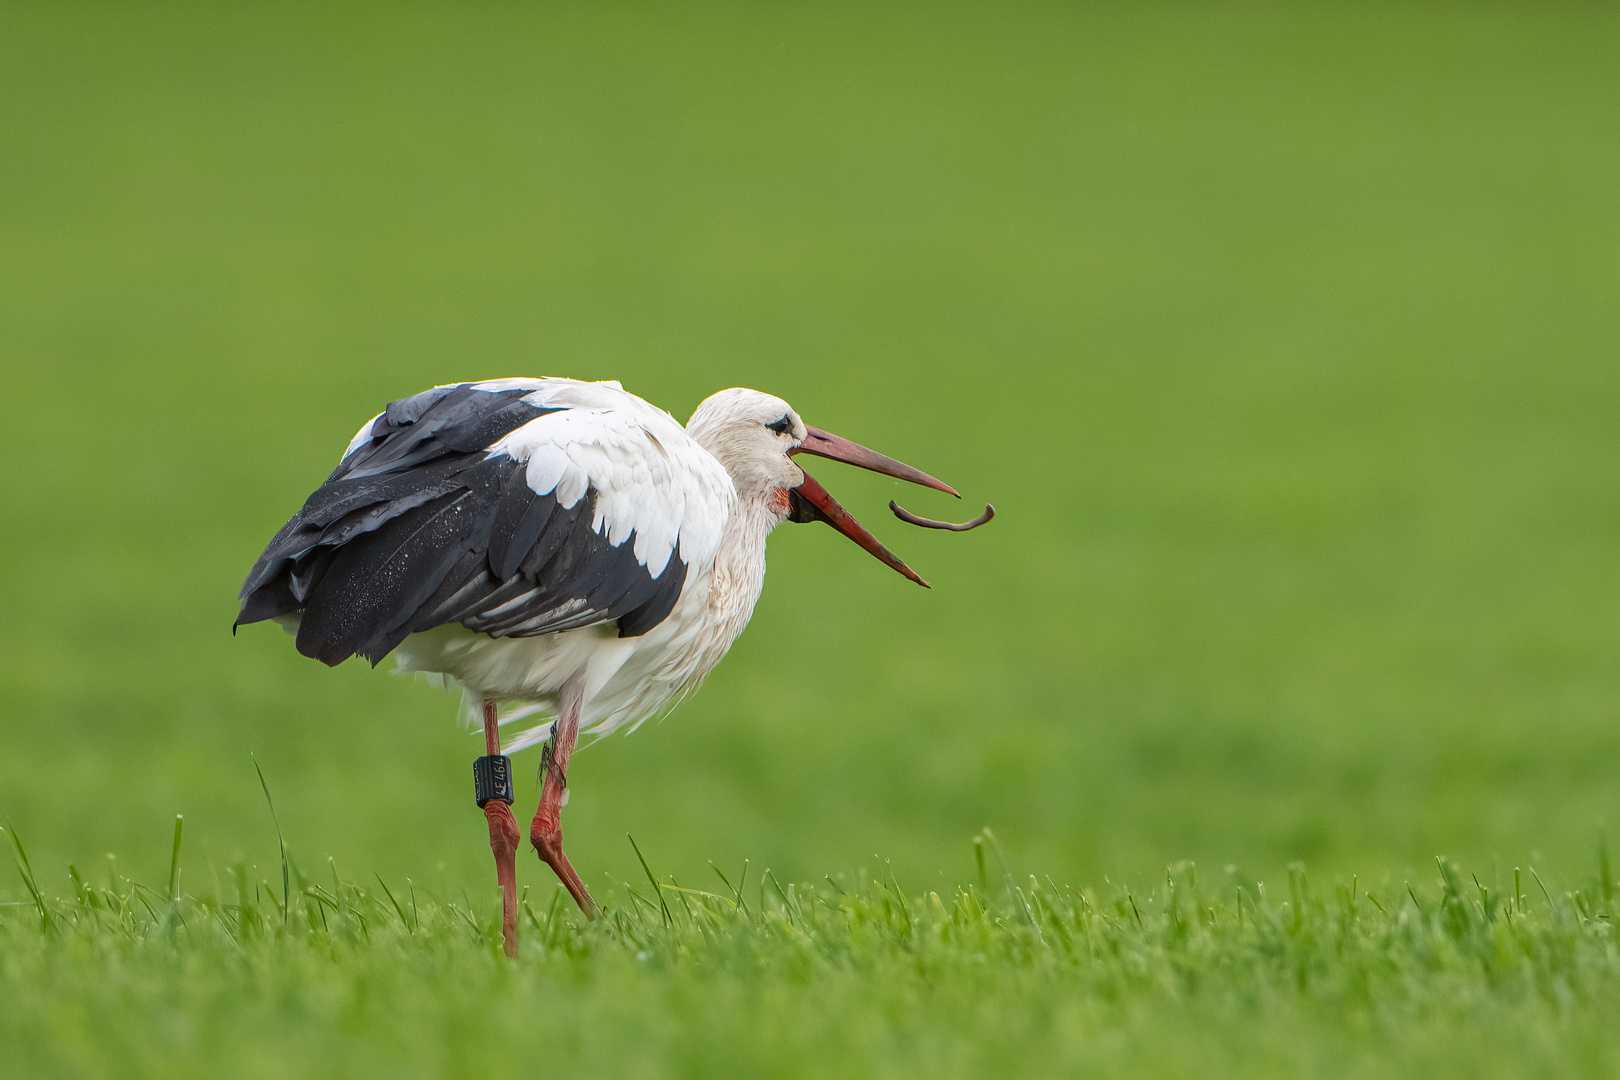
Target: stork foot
546, 836
504, 838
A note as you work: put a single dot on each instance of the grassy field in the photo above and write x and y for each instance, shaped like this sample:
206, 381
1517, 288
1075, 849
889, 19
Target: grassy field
326, 978
1282, 337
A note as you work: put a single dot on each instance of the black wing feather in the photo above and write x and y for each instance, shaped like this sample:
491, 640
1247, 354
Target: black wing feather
418, 526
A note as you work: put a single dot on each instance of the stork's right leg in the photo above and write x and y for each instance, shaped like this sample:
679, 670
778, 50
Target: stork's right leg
545, 832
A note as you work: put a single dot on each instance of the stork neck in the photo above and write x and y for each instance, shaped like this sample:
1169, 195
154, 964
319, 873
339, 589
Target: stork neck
739, 565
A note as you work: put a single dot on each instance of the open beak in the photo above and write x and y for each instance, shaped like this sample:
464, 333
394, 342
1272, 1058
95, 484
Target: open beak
812, 502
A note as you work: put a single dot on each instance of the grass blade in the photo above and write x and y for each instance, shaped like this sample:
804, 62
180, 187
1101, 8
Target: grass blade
658, 892
174, 859
286, 876
20, 857
398, 910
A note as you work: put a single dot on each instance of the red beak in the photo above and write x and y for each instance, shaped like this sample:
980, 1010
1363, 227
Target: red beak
812, 502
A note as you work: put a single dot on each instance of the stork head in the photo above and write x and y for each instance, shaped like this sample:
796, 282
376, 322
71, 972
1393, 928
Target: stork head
755, 437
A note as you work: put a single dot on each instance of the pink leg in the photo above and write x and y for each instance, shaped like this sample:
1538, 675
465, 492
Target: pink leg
545, 832
504, 838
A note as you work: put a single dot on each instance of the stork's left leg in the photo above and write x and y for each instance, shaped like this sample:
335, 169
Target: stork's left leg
545, 832
504, 836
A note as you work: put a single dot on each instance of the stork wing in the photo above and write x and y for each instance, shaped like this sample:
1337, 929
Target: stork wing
514, 508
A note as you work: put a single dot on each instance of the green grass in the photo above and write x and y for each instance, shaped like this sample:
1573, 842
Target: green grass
1280, 335
319, 976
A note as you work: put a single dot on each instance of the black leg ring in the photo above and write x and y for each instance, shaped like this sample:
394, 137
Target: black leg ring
492, 779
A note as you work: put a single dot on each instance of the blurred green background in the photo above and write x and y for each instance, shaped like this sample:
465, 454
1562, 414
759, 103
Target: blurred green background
1283, 338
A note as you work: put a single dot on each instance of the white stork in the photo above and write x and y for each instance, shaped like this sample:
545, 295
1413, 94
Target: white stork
561, 549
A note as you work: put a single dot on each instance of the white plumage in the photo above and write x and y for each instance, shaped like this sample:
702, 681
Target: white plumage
656, 482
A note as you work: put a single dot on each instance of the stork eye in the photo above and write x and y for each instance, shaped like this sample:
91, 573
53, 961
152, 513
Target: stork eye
783, 426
